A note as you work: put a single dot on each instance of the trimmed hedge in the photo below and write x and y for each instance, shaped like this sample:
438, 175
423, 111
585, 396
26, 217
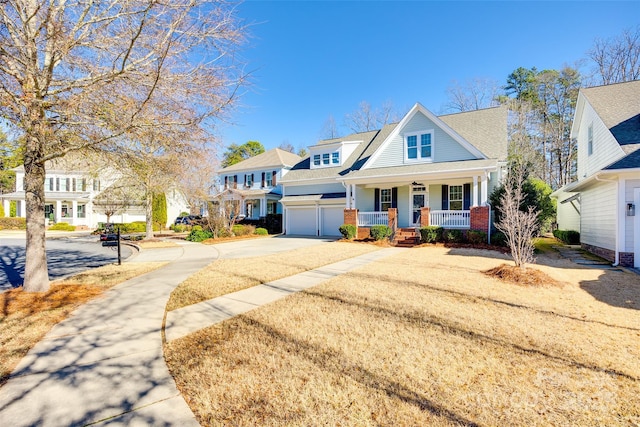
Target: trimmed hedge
569, 237
431, 234
198, 234
454, 236
243, 229
348, 231
261, 231
476, 237
62, 226
380, 232
499, 239
9, 223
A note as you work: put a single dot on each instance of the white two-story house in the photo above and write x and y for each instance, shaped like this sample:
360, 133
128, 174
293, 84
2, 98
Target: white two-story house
254, 183
424, 170
602, 204
73, 195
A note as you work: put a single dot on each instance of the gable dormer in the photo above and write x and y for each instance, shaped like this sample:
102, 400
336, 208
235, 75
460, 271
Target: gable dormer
421, 137
331, 154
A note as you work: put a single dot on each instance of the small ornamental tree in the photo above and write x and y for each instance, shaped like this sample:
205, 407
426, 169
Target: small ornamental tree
160, 210
519, 227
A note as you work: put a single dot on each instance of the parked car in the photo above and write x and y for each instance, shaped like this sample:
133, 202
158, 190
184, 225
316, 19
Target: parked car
188, 220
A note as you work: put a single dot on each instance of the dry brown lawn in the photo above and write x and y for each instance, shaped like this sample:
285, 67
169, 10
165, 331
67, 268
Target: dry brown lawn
230, 275
425, 338
26, 317
156, 244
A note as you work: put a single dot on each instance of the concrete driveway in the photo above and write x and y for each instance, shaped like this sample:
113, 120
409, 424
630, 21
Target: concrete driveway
266, 245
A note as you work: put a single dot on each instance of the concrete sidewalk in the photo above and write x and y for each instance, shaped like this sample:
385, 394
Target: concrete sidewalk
105, 363
186, 320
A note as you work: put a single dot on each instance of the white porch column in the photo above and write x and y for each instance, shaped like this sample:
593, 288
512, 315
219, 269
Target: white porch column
263, 207
475, 191
6, 204
74, 211
58, 211
348, 202
353, 196
483, 189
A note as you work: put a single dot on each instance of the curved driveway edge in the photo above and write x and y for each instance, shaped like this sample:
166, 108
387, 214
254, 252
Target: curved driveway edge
105, 362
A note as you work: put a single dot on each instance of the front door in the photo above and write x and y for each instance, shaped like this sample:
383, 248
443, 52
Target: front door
419, 199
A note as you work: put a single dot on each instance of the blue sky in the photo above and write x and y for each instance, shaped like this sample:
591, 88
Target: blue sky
315, 59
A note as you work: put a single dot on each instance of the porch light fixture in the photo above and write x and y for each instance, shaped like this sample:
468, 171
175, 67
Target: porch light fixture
416, 184
631, 209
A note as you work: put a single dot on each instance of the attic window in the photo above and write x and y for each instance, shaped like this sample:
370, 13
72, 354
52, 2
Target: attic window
418, 146
590, 140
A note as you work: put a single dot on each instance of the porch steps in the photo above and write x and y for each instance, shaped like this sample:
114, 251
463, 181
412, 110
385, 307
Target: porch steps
406, 237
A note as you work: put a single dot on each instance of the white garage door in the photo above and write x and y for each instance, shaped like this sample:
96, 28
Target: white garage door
331, 220
301, 221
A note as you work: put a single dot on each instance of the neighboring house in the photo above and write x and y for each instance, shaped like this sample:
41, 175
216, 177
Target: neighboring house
602, 203
76, 196
254, 183
424, 170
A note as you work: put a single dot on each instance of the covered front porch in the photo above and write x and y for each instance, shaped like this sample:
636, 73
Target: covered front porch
251, 204
451, 202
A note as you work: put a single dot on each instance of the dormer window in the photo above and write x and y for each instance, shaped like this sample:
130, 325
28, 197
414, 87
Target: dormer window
419, 146
316, 159
335, 158
325, 159
332, 154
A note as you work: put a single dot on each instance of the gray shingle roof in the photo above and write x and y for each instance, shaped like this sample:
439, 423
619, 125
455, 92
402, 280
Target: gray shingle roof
618, 105
486, 129
424, 168
273, 158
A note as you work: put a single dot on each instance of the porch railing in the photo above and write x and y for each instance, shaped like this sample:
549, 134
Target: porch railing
450, 219
367, 219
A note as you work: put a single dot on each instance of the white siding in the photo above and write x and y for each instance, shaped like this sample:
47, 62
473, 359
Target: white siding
598, 216
568, 217
605, 148
298, 190
365, 199
631, 185
445, 148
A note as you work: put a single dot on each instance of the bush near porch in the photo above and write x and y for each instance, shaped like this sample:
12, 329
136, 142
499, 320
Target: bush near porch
9, 223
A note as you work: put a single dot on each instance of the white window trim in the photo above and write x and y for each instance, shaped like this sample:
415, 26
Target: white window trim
419, 159
590, 140
461, 200
390, 190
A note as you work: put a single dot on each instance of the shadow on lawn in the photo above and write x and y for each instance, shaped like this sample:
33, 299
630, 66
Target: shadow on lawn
615, 288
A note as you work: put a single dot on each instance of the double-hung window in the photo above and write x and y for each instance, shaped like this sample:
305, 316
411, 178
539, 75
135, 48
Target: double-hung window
386, 199
419, 146
316, 159
455, 197
268, 179
325, 159
335, 158
249, 179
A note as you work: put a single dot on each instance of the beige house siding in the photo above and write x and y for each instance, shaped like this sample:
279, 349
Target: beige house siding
598, 216
606, 149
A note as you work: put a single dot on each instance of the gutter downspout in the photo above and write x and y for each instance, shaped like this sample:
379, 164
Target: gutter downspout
617, 256
489, 224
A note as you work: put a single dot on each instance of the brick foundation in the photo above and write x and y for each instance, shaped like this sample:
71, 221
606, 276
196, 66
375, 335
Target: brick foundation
626, 259
607, 254
479, 218
351, 216
425, 217
363, 233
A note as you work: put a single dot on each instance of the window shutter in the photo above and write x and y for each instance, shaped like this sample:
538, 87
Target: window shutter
84, 184
68, 184
445, 197
466, 198
253, 179
226, 182
394, 197
73, 188
57, 184
376, 200
264, 176
235, 181
51, 184
273, 181
245, 179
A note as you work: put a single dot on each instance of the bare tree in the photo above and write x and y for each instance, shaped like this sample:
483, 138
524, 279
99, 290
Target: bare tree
83, 74
366, 118
518, 226
287, 146
329, 129
617, 59
115, 200
472, 95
